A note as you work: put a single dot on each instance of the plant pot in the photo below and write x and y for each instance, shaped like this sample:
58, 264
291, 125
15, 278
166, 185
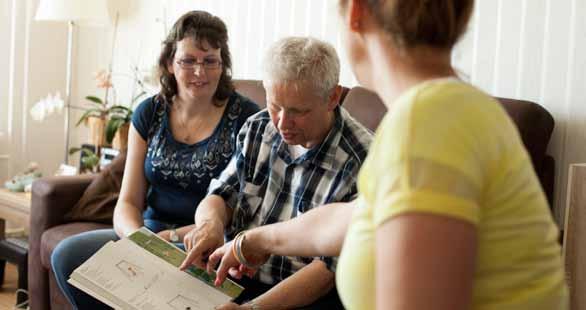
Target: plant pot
120, 141
97, 134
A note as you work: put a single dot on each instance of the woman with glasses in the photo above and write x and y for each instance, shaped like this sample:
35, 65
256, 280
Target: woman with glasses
450, 214
179, 140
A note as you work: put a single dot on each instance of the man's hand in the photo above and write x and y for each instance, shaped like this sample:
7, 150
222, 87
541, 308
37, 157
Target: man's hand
200, 242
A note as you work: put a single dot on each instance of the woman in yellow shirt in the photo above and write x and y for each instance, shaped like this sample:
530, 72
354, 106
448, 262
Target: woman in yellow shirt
450, 213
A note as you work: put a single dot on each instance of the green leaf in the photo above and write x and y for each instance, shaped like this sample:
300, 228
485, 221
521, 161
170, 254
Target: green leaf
90, 161
73, 150
117, 117
87, 114
122, 112
95, 99
112, 127
84, 151
88, 152
120, 109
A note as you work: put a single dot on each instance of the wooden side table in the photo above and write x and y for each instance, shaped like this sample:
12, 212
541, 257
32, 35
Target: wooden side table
14, 207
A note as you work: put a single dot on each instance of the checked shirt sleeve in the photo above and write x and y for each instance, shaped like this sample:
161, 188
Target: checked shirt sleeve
227, 185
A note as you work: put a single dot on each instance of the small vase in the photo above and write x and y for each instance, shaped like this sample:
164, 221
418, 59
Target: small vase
97, 134
120, 141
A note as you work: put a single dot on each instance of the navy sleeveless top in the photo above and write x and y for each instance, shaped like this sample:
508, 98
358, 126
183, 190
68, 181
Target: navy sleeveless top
179, 174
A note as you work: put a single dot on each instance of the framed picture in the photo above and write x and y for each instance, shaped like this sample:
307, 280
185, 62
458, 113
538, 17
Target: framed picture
107, 155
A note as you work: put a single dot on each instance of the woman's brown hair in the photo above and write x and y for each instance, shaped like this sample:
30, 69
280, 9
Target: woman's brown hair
411, 23
201, 26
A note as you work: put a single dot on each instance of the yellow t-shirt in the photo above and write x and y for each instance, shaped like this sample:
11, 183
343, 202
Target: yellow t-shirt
446, 148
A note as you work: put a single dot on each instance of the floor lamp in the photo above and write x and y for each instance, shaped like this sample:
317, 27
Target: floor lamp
94, 12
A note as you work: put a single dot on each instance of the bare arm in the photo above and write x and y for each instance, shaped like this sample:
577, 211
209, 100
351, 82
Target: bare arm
325, 228
425, 262
130, 205
213, 209
300, 289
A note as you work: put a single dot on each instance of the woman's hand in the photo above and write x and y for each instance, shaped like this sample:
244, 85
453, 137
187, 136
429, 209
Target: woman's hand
165, 235
230, 265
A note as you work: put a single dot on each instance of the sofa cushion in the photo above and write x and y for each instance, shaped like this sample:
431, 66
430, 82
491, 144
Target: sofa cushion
51, 237
365, 106
253, 90
99, 199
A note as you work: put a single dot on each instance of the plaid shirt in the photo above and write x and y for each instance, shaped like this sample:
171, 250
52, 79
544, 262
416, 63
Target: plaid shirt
263, 184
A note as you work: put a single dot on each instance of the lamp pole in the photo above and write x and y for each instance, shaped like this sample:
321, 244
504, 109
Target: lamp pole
68, 87
72, 11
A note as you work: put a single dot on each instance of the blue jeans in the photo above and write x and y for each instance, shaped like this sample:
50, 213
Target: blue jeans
71, 252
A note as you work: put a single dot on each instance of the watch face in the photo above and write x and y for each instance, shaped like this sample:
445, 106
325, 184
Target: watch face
173, 236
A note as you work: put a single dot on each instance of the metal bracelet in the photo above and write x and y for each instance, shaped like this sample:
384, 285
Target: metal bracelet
237, 251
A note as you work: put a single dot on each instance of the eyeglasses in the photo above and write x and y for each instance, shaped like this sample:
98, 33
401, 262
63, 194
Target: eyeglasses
207, 63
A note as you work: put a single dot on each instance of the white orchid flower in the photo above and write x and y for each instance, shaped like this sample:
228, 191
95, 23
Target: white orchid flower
58, 102
47, 106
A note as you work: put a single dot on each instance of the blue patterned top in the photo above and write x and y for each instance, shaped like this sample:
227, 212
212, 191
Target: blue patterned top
179, 174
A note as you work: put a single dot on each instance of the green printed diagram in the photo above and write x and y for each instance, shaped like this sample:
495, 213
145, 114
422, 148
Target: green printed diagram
175, 256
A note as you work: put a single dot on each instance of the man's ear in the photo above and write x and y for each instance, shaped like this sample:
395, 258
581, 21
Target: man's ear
334, 99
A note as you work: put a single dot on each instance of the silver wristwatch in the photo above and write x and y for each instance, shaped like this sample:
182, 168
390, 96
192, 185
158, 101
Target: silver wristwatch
253, 305
173, 236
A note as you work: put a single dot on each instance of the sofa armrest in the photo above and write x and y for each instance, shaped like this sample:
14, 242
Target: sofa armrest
53, 197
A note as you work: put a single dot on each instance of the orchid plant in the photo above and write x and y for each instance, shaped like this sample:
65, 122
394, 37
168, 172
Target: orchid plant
47, 106
117, 115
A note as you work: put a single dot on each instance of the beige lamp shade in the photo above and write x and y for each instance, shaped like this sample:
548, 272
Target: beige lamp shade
94, 12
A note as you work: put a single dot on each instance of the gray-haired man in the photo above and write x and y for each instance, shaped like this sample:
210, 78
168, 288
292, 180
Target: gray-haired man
302, 152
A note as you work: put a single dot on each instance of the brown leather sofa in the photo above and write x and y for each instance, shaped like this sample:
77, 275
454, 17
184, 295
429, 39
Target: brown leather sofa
52, 197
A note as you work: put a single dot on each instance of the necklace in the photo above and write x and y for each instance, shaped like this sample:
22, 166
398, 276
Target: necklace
184, 132
193, 129
190, 132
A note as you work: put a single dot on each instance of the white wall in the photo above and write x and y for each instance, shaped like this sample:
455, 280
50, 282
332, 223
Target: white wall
5, 38
536, 50
526, 49
252, 26
35, 62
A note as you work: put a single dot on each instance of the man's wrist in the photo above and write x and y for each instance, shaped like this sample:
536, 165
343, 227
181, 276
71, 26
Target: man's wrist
213, 224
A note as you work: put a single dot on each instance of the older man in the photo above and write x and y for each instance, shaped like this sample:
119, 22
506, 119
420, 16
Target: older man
302, 152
